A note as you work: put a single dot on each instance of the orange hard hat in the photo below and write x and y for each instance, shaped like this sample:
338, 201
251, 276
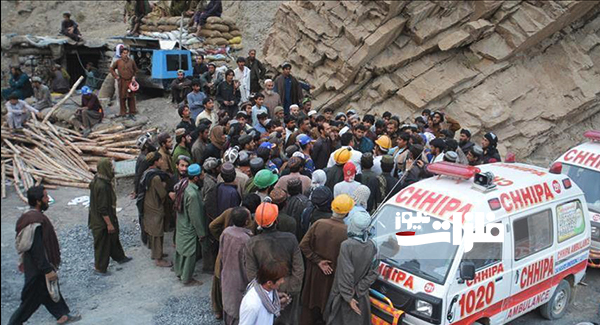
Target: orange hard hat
266, 214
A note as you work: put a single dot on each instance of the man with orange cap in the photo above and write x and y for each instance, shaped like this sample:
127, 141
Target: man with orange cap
271, 246
382, 145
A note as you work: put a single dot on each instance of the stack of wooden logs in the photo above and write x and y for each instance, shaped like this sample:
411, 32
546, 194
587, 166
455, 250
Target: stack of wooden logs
43, 153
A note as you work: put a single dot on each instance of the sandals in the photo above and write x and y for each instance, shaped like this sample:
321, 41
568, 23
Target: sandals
70, 319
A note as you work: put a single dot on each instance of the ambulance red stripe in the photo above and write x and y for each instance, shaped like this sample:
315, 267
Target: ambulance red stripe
522, 296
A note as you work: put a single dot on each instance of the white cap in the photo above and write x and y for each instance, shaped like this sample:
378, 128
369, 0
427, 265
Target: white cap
312, 112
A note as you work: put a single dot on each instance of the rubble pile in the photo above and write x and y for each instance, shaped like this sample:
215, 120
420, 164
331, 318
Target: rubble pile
528, 70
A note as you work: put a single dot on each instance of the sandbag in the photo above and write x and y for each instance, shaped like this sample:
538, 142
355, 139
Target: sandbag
173, 21
235, 33
167, 28
235, 40
236, 47
208, 33
148, 28
220, 27
214, 20
227, 35
228, 21
217, 41
162, 21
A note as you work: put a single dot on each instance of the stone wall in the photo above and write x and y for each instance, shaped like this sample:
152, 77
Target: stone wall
528, 70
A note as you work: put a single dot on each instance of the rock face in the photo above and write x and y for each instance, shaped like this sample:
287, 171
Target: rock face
528, 70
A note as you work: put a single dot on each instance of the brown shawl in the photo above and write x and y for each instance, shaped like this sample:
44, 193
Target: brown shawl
48, 234
216, 137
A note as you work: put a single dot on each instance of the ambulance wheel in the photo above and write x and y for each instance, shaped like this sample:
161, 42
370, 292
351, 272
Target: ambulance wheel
557, 306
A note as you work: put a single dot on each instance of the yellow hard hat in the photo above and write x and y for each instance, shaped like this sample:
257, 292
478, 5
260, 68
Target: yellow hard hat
341, 156
342, 204
384, 142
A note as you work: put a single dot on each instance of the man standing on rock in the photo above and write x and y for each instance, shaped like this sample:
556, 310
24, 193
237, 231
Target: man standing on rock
242, 76
127, 71
189, 228
102, 219
257, 71
40, 255
289, 88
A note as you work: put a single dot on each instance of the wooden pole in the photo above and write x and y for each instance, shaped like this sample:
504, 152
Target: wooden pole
3, 179
62, 101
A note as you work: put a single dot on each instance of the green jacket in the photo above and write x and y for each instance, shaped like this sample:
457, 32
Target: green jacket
190, 222
179, 151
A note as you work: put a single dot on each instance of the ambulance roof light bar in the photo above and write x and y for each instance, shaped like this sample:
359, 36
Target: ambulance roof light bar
453, 170
593, 135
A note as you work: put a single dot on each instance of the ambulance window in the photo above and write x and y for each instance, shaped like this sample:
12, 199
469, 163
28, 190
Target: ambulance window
532, 234
484, 254
570, 220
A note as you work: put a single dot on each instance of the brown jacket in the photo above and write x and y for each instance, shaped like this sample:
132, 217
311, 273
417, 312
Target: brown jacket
127, 69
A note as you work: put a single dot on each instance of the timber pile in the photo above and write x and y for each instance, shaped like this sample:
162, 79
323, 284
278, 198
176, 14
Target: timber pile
43, 153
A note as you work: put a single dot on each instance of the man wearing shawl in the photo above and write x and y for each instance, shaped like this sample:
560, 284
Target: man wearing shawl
356, 271
102, 218
190, 213
154, 195
40, 257
262, 302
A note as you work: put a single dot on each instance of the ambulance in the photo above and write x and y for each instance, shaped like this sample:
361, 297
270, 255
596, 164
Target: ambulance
479, 245
582, 165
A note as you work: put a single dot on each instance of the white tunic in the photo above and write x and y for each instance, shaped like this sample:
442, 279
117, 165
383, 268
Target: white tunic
252, 311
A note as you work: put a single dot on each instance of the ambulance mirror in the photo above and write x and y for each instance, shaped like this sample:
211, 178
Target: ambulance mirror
467, 270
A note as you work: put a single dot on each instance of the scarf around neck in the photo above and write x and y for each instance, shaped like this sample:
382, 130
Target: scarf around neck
272, 306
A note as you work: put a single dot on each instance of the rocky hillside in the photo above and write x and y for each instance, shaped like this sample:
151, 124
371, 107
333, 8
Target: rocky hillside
529, 70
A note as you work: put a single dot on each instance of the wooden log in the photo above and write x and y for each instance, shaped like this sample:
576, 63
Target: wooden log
126, 150
16, 184
120, 156
11, 146
111, 129
129, 143
62, 101
3, 179
94, 149
68, 184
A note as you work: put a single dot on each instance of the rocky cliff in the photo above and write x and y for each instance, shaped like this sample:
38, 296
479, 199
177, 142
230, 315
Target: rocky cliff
528, 70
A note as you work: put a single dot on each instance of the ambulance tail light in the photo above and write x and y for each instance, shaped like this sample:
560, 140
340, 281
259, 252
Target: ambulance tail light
556, 168
567, 183
453, 170
510, 158
593, 135
494, 204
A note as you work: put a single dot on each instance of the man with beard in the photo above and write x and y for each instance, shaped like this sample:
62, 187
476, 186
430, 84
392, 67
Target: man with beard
186, 122
361, 142
211, 79
180, 87
303, 128
184, 140
37, 244
189, 228
465, 141
306, 146
200, 144
322, 147
474, 155
490, 153
439, 121
165, 144
154, 183
257, 71
272, 98
102, 219
141, 165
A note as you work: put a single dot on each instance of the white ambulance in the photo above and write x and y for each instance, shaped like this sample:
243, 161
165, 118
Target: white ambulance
531, 255
582, 165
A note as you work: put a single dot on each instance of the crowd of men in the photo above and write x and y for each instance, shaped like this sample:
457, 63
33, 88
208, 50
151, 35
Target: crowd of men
274, 197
